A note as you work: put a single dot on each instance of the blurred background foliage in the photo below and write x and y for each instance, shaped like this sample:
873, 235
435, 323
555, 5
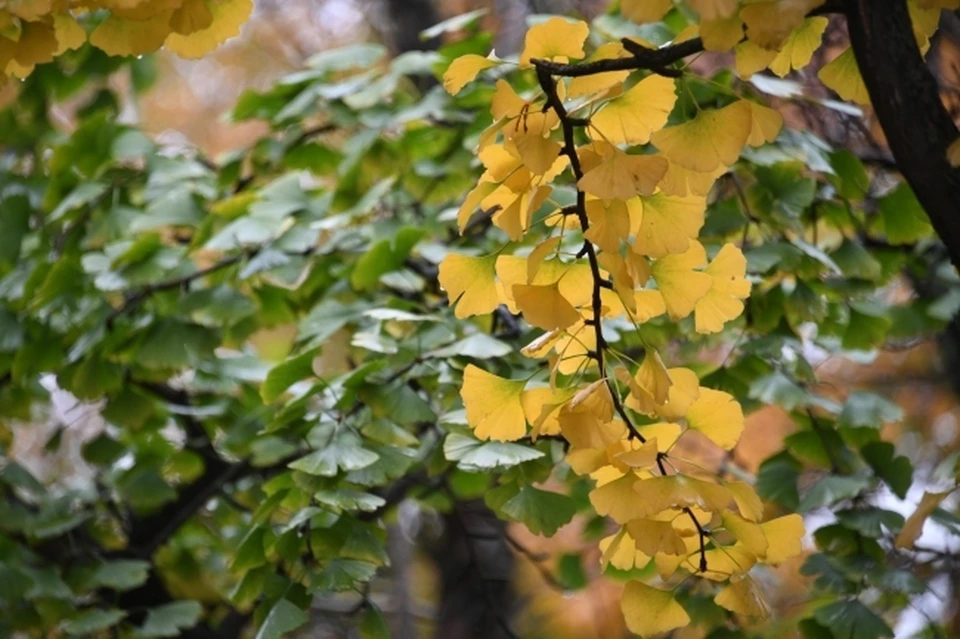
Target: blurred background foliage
179, 238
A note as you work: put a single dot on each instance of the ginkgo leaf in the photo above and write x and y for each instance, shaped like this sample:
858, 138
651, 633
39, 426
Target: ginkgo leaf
228, 17
770, 22
653, 377
785, 538
765, 125
191, 16
574, 280
718, 416
556, 39
619, 176
682, 286
751, 58
678, 491
723, 302
621, 552
574, 349
913, 527
668, 223
493, 405
843, 76
514, 211
463, 70
541, 406
668, 564
665, 433
643, 11
721, 34
537, 152
649, 304
714, 9
518, 115
587, 420
643, 456
748, 533
652, 537
650, 611
618, 500
609, 223
633, 116
544, 306
800, 46
713, 138
744, 598
69, 33
599, 82
121, 36
684, 391
746, 499
681, 181
469, 283
539, 254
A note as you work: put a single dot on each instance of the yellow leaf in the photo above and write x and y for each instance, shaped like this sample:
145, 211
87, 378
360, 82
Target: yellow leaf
785, 536
751, 58
574, 349
537, 152
722, 563
543, 306
747, 501
714, 9
540, 253
469, 283
618, 176
643, 11
649, 304
37, 44
574, 280
630, 118
678, 491
541, 406
123, 37
721, 34
642, 457
649, 611
494, 410
668, 564
681, 181
587, 421
683, 392
843, 76
766, 124
70, 35
800, 46
744, 598
518, 115
228, 17
748, 533
668, 223
718, 416
609, 223
141, 9
682, 287
515, 210
729, 286
191, 16
665, 433
652, 537
598, 82
540, 346
712, 139
618, 500
770, 22
472, 201
556, 39
621, 552
914, 524
464, 70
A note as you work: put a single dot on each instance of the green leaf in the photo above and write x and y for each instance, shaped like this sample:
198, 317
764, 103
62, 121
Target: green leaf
779, 390
283, 617
570, 571
832, 489
373, 625
344, 453
541, 511
856, 262
349, 500
14, 224
476, 455
852, 620
871, 521
121, 574
868, 409
345, 574
851, 179
88, 622
170, 345
896, 471
283, 376
904, 220
383, 257
867, 328
170, 619
777, 480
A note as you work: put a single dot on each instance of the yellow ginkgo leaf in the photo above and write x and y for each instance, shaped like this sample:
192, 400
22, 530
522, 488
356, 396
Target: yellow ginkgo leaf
493, 405
746, 499
599, 82
518, 116
722, 563
682, 286
766, 125
472, 201
621, 552
191, 16
124, 37
556, 39
800, 46
649, 304
609, 223
667, 223
721, 34
714, 9
729, 287
544, 306
574, 349
644, 11
714, 138
683, 393
642, 457
542, 345
541, 407
681, 181
537, 152
843, 76
631, 117
652, 537
913, 527
619, 176
618, 500
463, 70
770, 22
744, 598
69, 33
749, 534
785, 536
668, 564
469, 283
228, 17
751, 58
678, 491
514, 210
666, 434
718, 416
650, 611
574, 280
539, 254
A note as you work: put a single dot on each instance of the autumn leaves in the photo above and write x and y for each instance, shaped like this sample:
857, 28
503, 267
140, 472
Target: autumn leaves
627, 249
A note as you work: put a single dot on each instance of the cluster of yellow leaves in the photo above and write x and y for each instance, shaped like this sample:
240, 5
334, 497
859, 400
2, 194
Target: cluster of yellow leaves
36, 31
643, 185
